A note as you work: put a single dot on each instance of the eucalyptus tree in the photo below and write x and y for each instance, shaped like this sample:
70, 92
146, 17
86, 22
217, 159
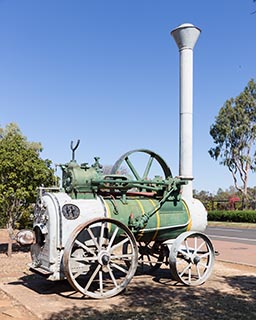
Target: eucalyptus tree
234, 136
21, 172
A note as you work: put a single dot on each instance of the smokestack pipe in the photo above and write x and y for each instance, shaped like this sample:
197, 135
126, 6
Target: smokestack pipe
186, 36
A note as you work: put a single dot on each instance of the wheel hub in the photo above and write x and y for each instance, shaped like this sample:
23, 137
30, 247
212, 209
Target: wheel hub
104, 258
196, 260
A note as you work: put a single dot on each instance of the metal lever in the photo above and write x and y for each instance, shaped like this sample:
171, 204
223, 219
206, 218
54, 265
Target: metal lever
73, 148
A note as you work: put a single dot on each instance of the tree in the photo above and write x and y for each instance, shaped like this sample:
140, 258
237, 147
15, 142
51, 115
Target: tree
234, 134
21, 172
202, 195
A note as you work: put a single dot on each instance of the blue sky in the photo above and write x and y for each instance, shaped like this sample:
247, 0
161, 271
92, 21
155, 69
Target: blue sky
107, 73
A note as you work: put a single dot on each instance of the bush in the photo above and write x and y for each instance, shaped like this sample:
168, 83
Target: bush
248, 216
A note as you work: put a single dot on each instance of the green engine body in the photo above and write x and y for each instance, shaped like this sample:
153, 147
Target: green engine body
151, 207
166, 223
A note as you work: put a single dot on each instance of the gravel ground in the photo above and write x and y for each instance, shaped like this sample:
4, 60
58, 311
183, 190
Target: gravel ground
230, 293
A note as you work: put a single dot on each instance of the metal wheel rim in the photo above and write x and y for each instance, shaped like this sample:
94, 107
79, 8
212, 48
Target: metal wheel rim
152, 156
192, 258
93, 260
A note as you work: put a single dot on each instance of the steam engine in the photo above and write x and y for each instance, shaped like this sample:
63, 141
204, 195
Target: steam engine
79, 227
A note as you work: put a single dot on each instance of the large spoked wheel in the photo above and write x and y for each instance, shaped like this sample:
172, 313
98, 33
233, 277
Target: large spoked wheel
192, 258
94, 262
148, 164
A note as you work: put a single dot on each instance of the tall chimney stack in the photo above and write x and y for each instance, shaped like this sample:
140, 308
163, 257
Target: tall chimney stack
186, 36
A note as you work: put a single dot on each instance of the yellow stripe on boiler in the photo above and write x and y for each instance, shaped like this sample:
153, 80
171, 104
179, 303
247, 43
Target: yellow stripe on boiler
108, 214
158, 222
108, 210
142, 211
189, 216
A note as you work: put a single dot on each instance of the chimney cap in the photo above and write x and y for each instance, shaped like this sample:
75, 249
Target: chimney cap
186, 35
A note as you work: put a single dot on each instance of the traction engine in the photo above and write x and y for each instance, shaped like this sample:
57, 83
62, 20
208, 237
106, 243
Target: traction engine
98, 229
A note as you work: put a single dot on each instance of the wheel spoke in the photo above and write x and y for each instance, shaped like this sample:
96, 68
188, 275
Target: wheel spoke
198, 271
92, 278
201, 245
187, 246
83, 259
78, 273
93, 238
154, 261
80, 244
130, 165
112, 238
195, 241
205, 265
101, 281
207, 254
150, 256
185, 269
183, 253
101, 234
116, 266
154, 256
119, 244
112, 276
147, 169
122, 257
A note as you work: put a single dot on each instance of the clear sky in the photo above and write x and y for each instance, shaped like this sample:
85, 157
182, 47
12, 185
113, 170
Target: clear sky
107, 72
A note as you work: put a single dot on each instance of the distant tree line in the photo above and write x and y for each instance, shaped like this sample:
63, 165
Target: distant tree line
229, 199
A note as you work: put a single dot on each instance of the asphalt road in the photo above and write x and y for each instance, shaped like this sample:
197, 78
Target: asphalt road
240, 235
233, 244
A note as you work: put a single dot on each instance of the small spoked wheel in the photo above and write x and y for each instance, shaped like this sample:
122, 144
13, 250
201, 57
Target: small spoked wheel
94, 262
151, 256
192, 258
